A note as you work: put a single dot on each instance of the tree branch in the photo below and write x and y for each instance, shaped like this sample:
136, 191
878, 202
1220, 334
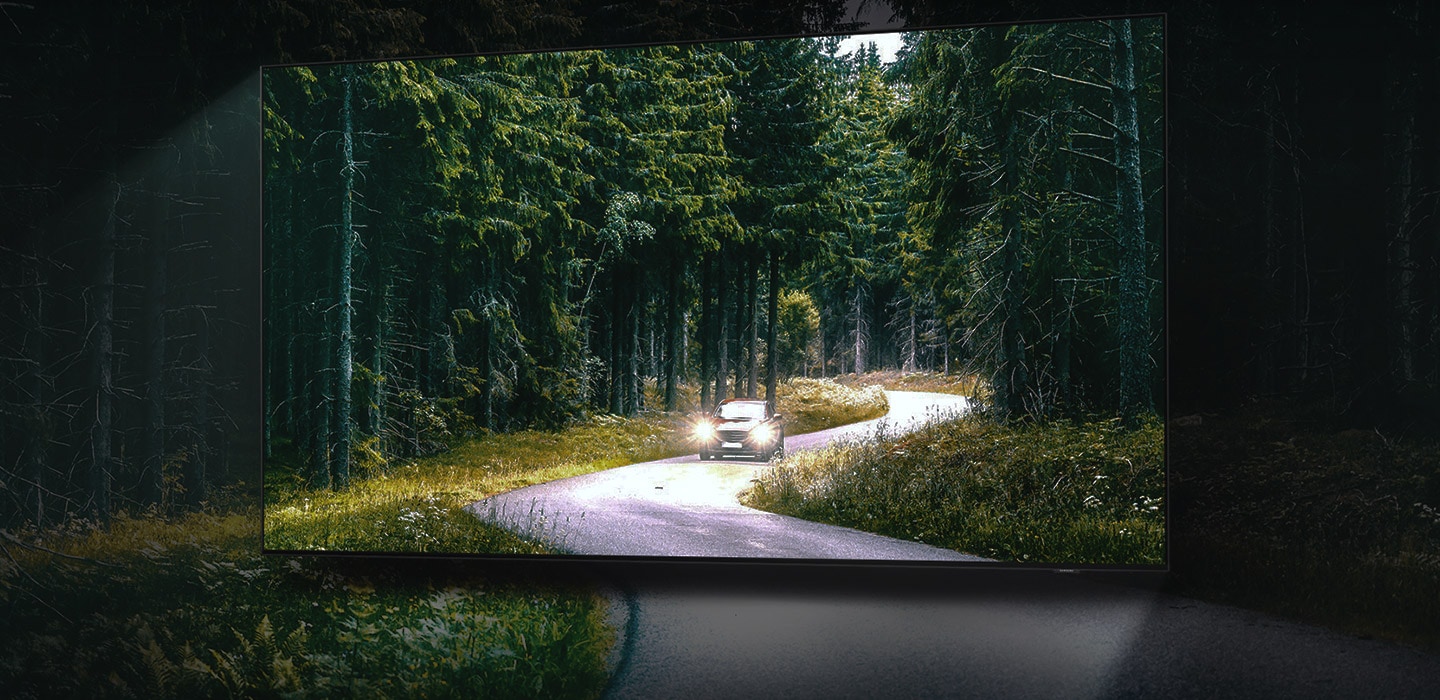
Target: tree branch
1069, 79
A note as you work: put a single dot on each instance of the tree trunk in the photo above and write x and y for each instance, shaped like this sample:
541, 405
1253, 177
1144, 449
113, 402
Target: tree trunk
1298, 330
1132, 311
824, 359
723, 330
634, 396
861, 329
1010, 382
38, 423
437, 346
1400, 209
1063, 296
294, 393
752, 378
652, 359
737, 341
707, 333
102, 463
375, 417
1063, 333
194, 477
672, 337
772, 313
487, 348
152, 480
912, 341
319, 405
1269, 366
945, 349
345, 342
617, 332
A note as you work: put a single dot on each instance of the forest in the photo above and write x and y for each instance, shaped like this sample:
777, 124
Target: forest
504, 242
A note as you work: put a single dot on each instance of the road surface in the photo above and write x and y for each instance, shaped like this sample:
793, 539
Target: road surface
835, 632
682, 507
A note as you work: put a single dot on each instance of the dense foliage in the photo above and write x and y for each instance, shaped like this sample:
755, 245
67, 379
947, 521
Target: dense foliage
510, 242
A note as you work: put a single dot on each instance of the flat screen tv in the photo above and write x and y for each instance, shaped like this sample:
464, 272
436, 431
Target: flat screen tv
875, 298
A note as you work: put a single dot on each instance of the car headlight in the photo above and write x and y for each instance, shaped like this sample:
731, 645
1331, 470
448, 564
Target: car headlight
762, 434
704, 430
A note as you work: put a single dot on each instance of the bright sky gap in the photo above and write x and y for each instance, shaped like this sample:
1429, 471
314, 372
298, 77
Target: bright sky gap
888, 44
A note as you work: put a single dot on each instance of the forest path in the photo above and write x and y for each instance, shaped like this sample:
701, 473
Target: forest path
683, 507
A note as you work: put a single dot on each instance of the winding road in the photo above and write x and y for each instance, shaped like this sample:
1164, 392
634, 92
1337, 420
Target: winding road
682, 507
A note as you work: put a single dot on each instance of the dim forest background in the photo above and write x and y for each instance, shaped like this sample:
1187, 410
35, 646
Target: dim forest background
1303, 309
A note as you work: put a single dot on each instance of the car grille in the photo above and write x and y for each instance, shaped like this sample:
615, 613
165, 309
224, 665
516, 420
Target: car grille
733, 435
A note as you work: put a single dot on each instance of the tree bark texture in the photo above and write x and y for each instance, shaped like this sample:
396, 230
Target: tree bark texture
102, 461
1132, 308
772, 315
344, 341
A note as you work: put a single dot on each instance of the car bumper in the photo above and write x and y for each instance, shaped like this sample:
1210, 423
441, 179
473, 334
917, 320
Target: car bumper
741, 449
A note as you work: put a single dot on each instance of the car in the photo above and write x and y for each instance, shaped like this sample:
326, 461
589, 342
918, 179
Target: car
741, 428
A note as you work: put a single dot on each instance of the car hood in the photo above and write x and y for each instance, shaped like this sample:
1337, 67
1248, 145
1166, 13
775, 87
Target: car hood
736, 423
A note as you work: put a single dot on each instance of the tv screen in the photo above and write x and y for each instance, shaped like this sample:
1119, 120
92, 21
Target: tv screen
873, 298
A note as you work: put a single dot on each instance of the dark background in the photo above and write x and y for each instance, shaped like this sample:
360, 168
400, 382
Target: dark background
1302, 247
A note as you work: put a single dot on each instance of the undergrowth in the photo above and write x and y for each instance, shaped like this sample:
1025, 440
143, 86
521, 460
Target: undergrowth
895, 380
1061, 492
808, 405
190, 608
1281, 508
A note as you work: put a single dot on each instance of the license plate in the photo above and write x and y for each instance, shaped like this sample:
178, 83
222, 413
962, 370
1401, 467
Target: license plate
731, 445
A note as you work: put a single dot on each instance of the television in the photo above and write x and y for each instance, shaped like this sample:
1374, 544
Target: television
887, 297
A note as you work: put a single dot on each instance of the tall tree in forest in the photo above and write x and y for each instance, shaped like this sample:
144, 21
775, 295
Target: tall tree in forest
102, 462
1133, 307
783, 105
344, 342
1402, 207
152, 484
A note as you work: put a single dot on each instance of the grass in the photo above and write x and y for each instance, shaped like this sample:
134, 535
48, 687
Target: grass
816, 404
960, 384
420, 506
1277, 507
155, 608
1077, 493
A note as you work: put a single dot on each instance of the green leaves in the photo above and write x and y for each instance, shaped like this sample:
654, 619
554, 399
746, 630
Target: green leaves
621, 234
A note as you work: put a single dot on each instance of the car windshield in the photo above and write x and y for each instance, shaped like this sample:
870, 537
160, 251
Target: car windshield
743, 411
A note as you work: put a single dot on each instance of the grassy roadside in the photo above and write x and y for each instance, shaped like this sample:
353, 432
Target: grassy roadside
895, 380
190, 608
1061, 492
419, 507
1281, 508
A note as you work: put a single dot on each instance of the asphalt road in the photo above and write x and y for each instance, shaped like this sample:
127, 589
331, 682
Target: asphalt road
682, 507
838, 633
